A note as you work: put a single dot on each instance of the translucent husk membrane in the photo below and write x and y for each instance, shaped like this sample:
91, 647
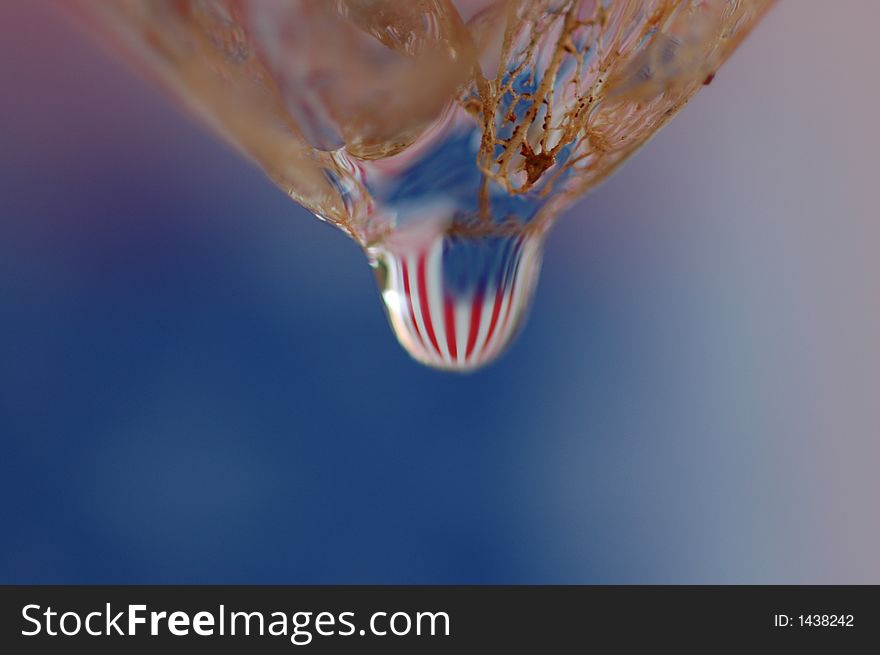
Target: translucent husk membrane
443, 135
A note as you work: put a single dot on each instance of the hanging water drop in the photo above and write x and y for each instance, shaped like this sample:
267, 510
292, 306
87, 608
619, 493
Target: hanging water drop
444, 136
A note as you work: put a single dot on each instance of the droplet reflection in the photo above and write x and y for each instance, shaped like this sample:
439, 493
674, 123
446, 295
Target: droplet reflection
455, 297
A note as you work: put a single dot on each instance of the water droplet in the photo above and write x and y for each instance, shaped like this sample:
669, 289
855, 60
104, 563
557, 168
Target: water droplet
455, 297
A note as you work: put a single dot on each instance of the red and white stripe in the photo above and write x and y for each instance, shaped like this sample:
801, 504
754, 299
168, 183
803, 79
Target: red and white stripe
459, 333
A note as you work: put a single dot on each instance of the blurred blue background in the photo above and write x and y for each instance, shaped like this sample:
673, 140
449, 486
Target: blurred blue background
197, 383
